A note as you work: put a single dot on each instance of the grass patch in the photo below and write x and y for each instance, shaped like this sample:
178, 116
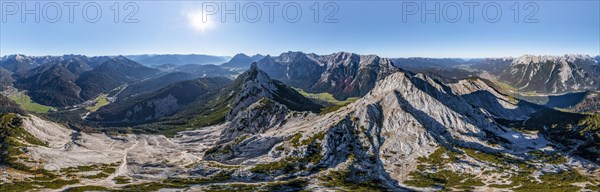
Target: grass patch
232, 187
339, 179
330, 109
485, 157
121, 180
439, 156
444, 178
87, 188
24, 186
96, 176
296, 139
177, 183
105, 168
99, 101
291, 164
153, 186
438, 177
544, 157
218, 177
286, 165
57, 184
326, 98
26, 103
202, 120
590, 124
289, 185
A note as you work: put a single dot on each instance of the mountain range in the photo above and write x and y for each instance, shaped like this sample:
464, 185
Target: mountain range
549, 74
160, 103
177, 59
242, 61
22, 63
69, 82
415, 125
341, 74
246, 89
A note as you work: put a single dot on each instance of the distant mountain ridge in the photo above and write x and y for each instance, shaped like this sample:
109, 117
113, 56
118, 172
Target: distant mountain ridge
342, 74
150, 85
111, 74
177, 59
68, 82
21, 63
424, 62
242, 61
161, 103
553, 74
186, 98
52, 84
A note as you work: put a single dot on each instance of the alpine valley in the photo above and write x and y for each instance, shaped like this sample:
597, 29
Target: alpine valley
299, 122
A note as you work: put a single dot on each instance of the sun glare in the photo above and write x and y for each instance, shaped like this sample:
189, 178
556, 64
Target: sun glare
197, 22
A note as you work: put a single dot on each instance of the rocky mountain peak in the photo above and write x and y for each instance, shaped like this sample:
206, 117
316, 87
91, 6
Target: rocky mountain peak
342, 58
254, 66
479, 93
241, 61
20, 58
534, 59
295, 57
255, 84
344, 55
256, 118
552, 74
528, 59
240, 57
121, 58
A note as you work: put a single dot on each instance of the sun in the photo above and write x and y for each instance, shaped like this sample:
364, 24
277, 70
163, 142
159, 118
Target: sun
197, 22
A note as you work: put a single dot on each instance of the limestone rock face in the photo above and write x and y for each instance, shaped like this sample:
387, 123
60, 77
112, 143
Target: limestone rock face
553, 74
481, 95
402, 118
256, 85
255, 119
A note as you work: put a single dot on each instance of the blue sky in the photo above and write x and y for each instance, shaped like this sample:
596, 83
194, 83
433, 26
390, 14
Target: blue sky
363, 27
